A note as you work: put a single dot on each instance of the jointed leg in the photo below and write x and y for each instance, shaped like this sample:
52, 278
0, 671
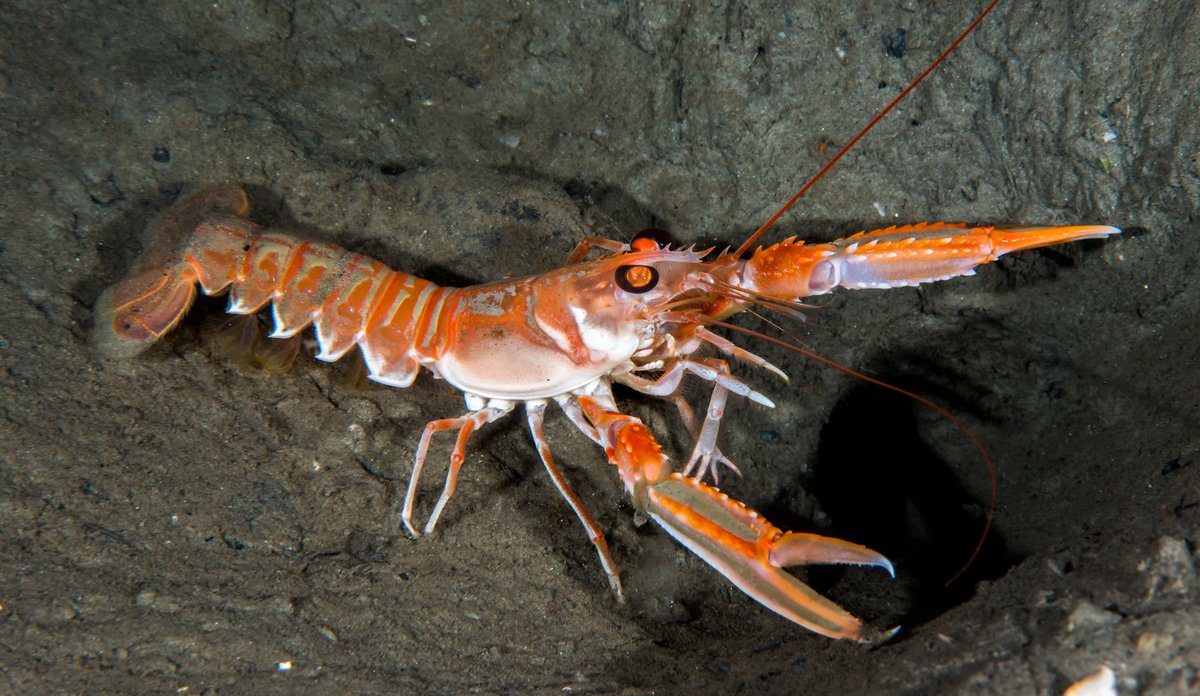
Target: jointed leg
688, 416
588, 243
575, 415
536, 413
466, 425
708, 369
705, 453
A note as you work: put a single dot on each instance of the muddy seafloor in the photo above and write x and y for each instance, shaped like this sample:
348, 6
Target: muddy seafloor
177, 523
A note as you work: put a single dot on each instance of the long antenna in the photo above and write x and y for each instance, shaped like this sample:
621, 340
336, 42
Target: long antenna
941, 411
846, 148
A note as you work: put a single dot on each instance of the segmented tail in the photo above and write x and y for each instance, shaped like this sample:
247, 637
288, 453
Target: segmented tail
136, 312
352, 299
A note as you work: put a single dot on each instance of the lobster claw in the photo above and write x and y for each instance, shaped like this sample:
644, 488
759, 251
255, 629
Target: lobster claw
895, 257
752, 553
735, 540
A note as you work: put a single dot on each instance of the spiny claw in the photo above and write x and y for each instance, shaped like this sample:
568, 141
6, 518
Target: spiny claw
751, 553
1006, 240
735, 540
896, 256
799, 548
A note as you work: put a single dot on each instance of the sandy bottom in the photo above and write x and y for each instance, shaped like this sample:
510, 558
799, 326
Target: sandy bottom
175, 522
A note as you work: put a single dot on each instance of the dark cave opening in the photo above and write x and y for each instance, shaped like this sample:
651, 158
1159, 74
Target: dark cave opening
884, 486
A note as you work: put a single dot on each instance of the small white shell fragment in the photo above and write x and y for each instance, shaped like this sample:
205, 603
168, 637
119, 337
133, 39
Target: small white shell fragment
1102, 683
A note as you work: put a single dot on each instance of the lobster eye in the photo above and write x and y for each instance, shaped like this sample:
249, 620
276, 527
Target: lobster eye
637, 279
650, 239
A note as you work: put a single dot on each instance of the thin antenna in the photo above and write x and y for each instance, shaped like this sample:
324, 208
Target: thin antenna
941, 411
846, 148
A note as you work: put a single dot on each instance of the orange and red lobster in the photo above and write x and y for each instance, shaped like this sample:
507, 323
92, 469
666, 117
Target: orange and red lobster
638, 315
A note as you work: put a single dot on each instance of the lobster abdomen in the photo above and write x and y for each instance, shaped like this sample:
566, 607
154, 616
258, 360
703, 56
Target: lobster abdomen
352, 299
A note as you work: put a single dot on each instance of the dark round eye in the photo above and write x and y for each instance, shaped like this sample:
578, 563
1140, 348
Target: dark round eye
650, 239
637, 279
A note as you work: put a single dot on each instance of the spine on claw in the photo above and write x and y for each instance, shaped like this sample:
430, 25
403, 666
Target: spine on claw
352, 299
895, 256
735, 540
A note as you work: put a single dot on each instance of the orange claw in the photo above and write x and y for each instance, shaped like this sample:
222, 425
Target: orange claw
735, 540
895, 256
